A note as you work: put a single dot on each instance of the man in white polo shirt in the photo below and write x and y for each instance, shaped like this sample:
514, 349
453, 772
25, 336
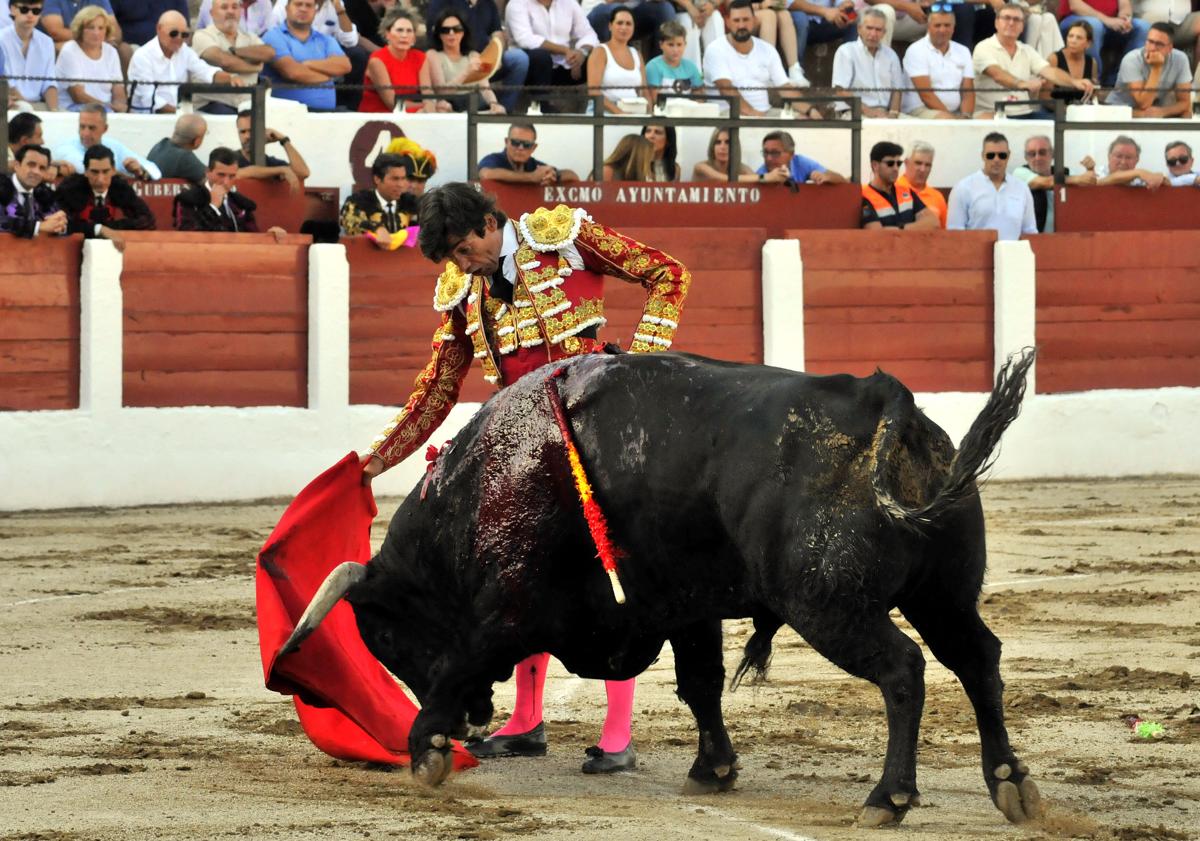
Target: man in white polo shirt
1011, 71
743, 66
944, 66
991, 199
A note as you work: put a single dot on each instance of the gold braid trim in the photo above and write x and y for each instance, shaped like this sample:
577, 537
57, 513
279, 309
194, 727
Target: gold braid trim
434, 394
666, 281
355, 221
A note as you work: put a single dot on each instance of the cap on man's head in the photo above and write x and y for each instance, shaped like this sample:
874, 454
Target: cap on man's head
418, 162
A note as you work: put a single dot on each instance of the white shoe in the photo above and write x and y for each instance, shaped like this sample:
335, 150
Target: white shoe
796, 76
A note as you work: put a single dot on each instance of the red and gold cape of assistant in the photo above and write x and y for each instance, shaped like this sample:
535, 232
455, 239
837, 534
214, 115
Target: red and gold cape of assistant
349, 704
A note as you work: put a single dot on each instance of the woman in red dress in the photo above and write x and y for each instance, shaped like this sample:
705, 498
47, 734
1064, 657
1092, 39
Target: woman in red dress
397, 75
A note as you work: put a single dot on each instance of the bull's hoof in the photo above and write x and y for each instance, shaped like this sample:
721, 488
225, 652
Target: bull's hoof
1016, 795
719, 779
888, 814
434, 766
875, 816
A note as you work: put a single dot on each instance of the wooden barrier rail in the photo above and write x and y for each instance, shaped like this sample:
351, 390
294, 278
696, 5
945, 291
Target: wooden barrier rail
916, 303
215, 319
39, 323
1118, 311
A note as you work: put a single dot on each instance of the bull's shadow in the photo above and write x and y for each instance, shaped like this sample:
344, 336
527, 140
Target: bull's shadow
733, 491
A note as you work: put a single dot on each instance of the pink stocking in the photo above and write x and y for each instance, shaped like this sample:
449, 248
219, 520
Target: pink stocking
618, 723
527, 710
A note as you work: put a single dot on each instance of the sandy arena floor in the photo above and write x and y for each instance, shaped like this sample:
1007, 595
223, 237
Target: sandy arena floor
132, 703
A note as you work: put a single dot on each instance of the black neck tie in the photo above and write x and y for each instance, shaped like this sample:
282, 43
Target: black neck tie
393, 224
27, 208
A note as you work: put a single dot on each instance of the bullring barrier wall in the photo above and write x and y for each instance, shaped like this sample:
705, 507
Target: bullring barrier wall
780, 302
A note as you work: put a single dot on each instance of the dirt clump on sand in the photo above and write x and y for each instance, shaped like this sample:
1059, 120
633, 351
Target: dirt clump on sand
133, 703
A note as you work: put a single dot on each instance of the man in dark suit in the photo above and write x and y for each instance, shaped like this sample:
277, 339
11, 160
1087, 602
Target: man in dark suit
390, 207
100, 203
215, 205
27, 205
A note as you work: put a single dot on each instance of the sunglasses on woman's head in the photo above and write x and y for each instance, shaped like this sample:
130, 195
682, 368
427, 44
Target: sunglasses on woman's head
942, 7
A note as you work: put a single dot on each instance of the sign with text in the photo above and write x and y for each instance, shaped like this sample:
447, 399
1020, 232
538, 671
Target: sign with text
691, 204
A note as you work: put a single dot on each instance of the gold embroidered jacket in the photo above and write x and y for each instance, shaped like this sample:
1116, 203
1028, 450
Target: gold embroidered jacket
562, 257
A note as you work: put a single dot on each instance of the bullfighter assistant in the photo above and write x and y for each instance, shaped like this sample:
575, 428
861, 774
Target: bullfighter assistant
516, 295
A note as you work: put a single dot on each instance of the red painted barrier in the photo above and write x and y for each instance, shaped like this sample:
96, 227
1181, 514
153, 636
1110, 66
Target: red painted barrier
1118, 311
1127, 209
917, 304
39, 323
215, 320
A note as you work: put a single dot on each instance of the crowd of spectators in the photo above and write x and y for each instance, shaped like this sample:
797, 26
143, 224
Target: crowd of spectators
957, 59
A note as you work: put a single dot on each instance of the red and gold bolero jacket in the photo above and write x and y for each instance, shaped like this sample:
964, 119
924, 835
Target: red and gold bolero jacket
561, 259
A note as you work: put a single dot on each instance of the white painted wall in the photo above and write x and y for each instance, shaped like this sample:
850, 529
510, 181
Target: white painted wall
106, 455
324, 140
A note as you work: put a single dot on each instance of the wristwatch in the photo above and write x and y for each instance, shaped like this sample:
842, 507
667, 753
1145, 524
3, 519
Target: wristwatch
283, 141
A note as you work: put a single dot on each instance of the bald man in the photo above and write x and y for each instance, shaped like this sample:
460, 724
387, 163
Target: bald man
167, 58
176, 155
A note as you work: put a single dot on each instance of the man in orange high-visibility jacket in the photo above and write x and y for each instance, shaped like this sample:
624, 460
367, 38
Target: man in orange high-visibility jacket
884, 203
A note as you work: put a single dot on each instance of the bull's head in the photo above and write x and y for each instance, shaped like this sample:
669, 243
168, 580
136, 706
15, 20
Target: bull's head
405, 651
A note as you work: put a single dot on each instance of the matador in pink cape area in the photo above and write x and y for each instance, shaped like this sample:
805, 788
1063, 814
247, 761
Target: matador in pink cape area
516, 295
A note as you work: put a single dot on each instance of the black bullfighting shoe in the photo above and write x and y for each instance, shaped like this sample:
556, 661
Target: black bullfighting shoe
531, 743
603, 762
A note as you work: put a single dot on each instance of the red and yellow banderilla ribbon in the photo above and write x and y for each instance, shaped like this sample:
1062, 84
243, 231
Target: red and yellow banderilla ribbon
606, 550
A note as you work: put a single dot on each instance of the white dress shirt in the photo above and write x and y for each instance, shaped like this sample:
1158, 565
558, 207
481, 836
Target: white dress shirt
976, 205
149, 64
38, 61
326, 22
875, 76
531, 24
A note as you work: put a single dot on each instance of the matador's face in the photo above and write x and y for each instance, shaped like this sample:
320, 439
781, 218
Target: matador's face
475, 254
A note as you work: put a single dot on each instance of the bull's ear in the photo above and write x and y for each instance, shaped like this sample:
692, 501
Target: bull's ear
332, 590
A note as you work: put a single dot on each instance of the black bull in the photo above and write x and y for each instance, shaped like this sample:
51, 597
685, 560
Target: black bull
734, 491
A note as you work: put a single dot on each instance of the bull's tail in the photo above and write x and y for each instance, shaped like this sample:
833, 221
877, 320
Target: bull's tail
757, 655
975, 454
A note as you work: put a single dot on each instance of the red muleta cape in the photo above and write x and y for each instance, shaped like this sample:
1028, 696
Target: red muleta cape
349, 704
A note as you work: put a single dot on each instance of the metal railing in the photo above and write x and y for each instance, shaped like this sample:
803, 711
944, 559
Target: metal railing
599, 119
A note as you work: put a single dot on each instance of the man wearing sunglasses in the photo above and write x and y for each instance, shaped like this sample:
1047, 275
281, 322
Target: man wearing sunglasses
1156, 80
991, 199
1181, 165
1038, 174
884, 203
518, 165
168, 59
24, 51
1009, 71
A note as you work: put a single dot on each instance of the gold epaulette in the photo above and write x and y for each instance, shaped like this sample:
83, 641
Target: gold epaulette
549, 230
452, 286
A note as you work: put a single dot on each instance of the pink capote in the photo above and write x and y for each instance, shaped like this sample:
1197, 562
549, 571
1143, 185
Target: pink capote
349, 705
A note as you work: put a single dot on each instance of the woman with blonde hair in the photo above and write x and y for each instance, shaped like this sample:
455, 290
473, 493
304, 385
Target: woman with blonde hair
89, 55
631, 160
716, 167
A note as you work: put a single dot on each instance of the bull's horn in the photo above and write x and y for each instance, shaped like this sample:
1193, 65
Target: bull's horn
335, 586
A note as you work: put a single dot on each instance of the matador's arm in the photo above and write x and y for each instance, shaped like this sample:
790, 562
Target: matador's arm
666, 280
434, 393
